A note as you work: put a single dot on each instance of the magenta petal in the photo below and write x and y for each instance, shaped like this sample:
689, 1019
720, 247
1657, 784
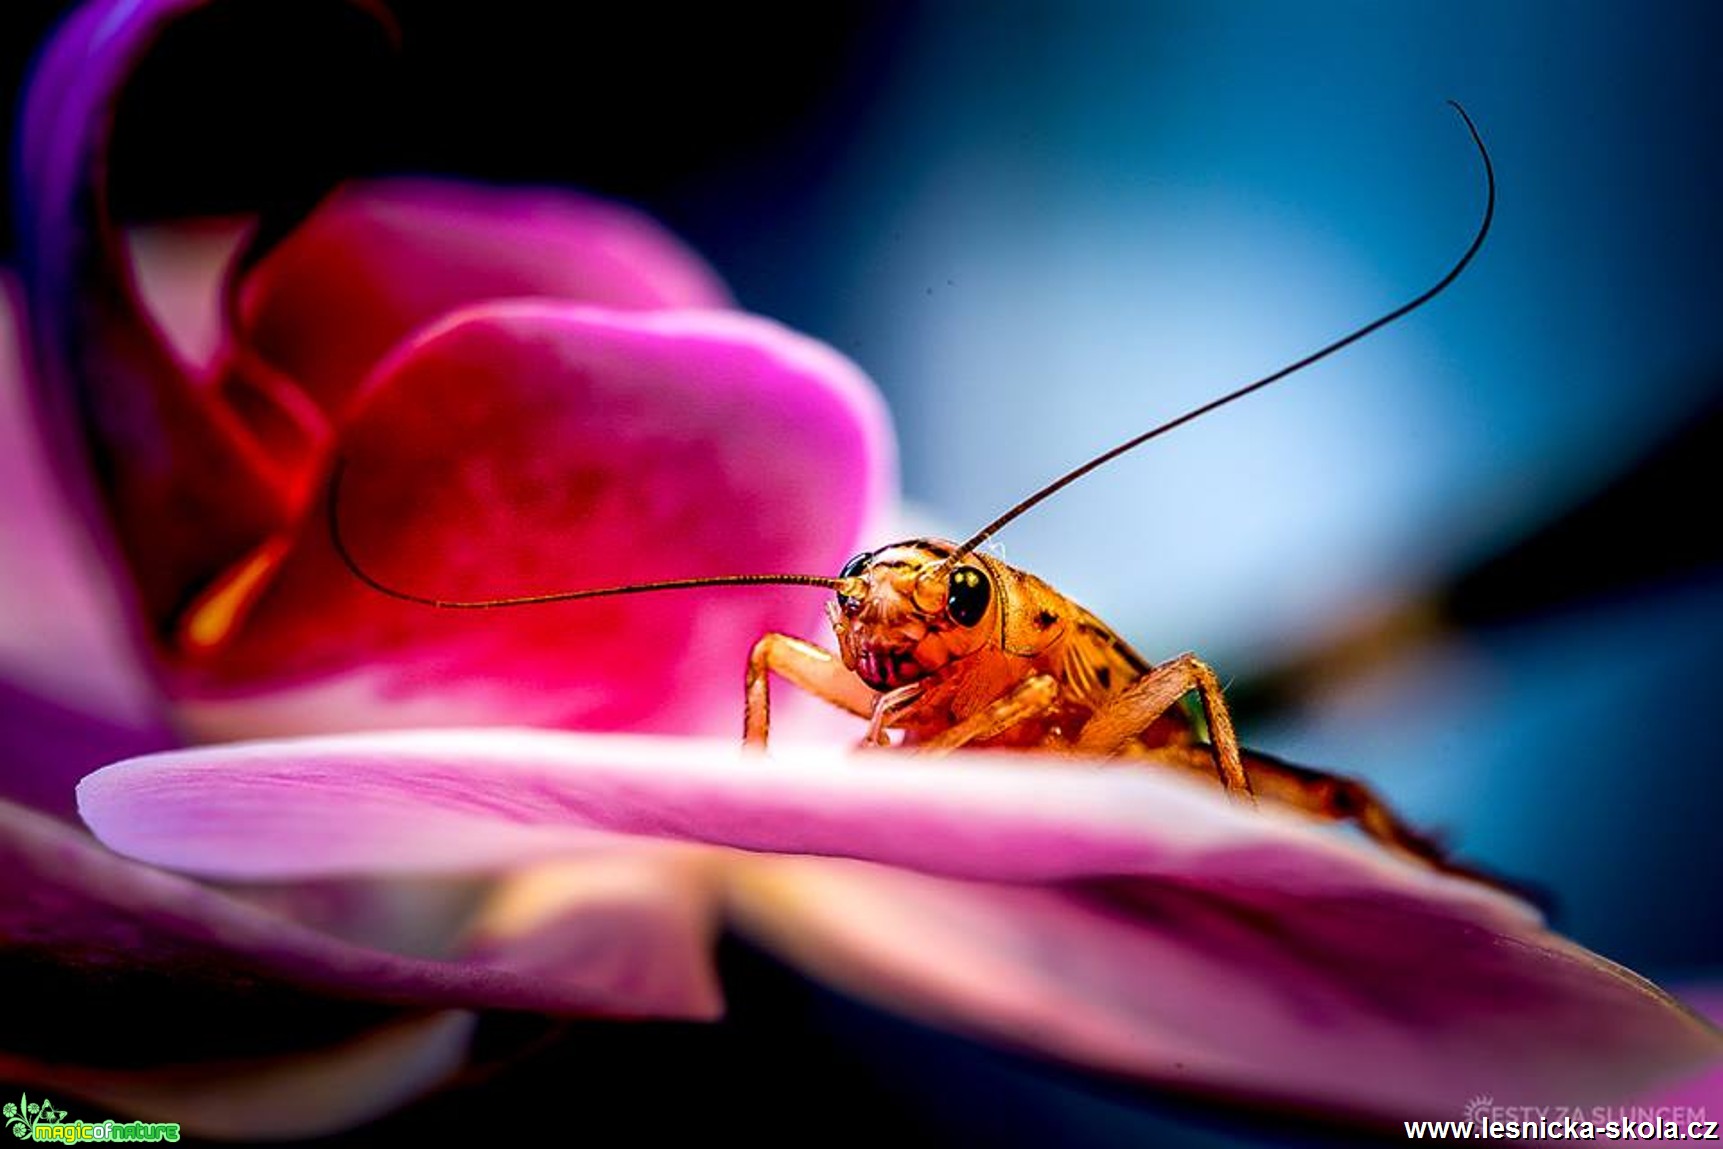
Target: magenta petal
1700, 1095
50, 745
542, 922
148, 457
72, 687
180, 267
377, 260
528, 447
129, 943
1123, 920
1375, 1004
428, 801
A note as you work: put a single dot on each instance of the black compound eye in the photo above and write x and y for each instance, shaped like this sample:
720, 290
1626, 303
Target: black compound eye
967, 596
853, 569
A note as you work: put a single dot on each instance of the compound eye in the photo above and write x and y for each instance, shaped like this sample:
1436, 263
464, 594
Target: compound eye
967, 596
852, 569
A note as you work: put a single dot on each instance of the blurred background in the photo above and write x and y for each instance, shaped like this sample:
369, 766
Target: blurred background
1471, 559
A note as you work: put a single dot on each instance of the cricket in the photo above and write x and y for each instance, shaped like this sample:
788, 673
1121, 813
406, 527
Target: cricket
953, 648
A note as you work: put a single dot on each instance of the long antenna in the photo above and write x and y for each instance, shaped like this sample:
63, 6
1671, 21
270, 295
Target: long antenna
339, 471
1070, 477
855, 586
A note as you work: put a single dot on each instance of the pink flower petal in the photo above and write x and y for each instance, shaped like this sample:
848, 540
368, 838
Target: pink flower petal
167, 478
50, 745
180, 267
1701, 1092
63, 645
1379, 1005
530, 447
543, 920
1124, 920
118, 937
377, 260
428, 801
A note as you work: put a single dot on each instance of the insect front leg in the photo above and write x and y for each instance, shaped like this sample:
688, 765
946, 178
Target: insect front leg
886, 709
812, 668
1030, 698
1136, 707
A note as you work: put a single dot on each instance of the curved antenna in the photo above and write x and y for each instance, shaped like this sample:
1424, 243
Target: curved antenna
1347, 340
339, 471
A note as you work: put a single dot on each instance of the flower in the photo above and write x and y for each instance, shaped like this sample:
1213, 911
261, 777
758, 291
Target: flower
514, 424
169, 577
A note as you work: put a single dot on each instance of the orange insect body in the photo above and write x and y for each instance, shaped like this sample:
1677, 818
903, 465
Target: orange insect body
903, 630
961, 650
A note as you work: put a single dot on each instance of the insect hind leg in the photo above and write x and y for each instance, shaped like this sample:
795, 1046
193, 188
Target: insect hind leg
1336, 798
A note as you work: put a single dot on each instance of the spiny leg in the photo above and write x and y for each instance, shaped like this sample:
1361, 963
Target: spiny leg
1028, 699
814, 669
1343, 800
1136, 707
1335, 798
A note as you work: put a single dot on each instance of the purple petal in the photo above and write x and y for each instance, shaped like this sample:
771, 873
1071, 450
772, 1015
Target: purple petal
180, 268
116, 936
74, 694
62, 624
1380, 1005
534, 446
1699, 1095
1124, 920
377, 260
50, 745
542, 920
458, 800
148, 456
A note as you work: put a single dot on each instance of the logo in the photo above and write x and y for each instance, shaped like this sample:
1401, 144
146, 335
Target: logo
24, 1117
40, 1121
1479, 1107
1482, 1117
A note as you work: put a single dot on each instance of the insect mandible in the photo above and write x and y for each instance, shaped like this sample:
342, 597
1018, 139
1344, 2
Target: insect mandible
955, 648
